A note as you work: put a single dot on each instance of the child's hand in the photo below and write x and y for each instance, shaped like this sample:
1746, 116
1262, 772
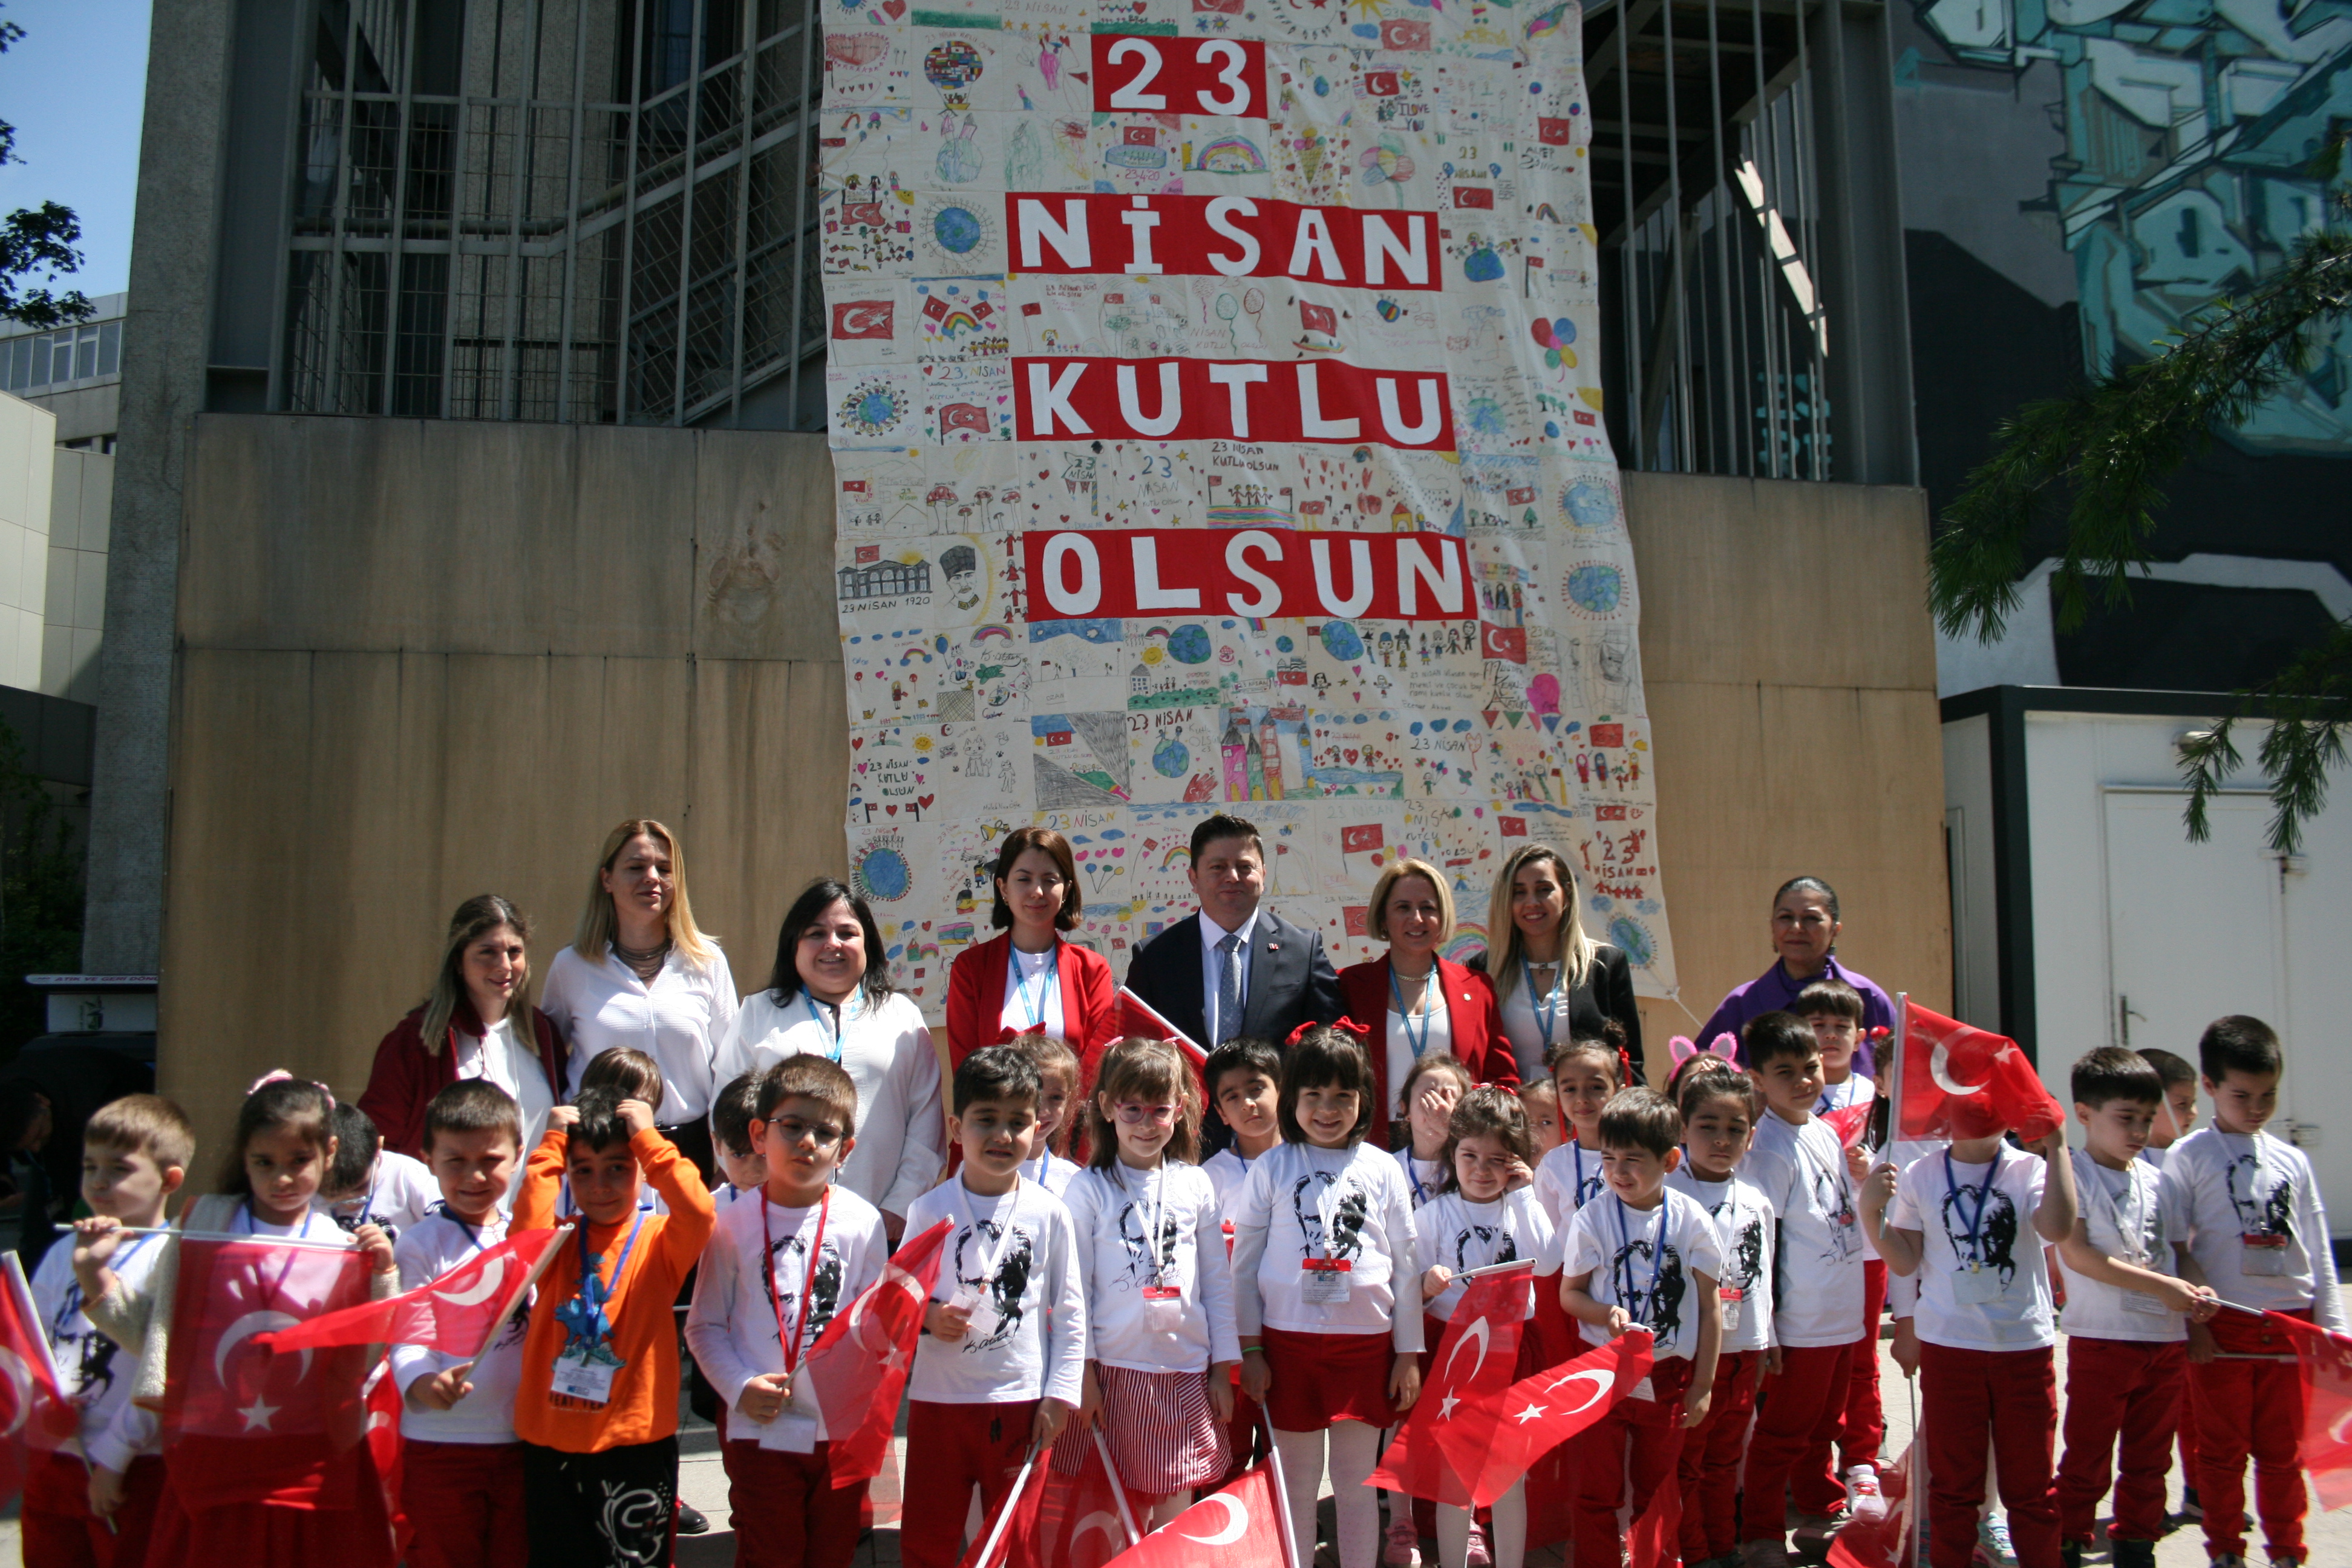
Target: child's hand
1257, 1376
378, 1246
105, 1491
1437, 1096
1857, 1162
1905, 1347
2201, 1348
1695, 1405
563, 1117
1051, 1414
1619, 1321
1221, 1391
762, 1398
1772, 1362
947, 1322
1404, 1383
635, 1115
94, 1240
1433, 1283
1089, 1400
1879, 1189
1520, 1176
2050, 1145
2203, 1305
441, 1391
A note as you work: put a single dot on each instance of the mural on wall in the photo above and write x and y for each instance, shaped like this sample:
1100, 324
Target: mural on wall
2188, 128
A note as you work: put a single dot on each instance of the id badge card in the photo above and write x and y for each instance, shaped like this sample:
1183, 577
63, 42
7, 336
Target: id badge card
1163, 1309
585, 1375
790, 1434
1976, 1287
1324, 1282
2265, 1254
1643, 1390
1732, 1298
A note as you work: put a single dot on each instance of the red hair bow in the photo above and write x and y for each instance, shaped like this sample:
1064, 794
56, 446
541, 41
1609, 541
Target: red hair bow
1343, 1023
1007, 1034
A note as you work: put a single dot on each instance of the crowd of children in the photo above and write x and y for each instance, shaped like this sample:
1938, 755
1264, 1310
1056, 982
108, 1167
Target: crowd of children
1105, 1288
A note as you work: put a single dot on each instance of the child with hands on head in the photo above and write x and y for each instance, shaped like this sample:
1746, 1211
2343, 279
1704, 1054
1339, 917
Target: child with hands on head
1322, 1232
282, 1148
999, 1367
1162, 1346
1425, 1110
785, 1260
1585, 1073
1478, 1219
98, 1494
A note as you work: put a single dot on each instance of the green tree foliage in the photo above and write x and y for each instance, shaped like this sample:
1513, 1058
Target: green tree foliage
36, 239
2094, 465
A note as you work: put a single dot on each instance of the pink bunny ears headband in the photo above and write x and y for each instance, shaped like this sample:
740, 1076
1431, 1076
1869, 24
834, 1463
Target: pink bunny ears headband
1724, 1046
279, 1075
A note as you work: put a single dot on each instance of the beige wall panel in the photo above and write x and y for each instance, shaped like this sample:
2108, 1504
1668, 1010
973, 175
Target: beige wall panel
763, 548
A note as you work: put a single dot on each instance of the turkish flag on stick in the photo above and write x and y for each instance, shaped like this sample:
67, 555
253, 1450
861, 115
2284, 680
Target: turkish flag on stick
243, 1423
1241, 1524
1538, 1413
1850, 1123
457, 1314
1085, 1519
1960, 1082
1013, 1537
1880, 1543
1136, 1017
2325, 1361
35, 1415
859, 1366
1440, 1451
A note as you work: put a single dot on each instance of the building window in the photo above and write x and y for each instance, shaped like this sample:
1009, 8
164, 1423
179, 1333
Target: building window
44, 361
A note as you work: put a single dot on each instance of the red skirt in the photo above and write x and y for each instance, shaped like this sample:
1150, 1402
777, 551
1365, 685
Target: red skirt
1321, 1378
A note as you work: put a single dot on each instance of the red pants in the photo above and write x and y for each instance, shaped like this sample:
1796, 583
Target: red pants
1709, 1465
1862, 1433
1798, 1414
2190, 1423
2251, 1407
2126, 1388
1638, 1442
788, 1513
190, 1532
2012, 1395
464, 1504
60, 1532
951, 1448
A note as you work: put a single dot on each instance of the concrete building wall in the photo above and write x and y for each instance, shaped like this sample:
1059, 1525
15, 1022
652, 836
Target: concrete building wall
82, 497
422, 660
27, 435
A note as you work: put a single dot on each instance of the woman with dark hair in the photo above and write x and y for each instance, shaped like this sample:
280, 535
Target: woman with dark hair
472, 1025
1029, 977
1805, 928
830, 995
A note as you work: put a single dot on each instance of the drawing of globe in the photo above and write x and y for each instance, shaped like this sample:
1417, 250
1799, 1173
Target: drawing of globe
1188, 645
956, 230
1587, 505
1596, 589
883, 874
1634, 939
1170, 758
1340, 641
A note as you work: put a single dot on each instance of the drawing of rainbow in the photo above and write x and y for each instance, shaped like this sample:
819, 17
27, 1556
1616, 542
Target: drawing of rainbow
984, 633
1231, 155
958, 321
1179, 855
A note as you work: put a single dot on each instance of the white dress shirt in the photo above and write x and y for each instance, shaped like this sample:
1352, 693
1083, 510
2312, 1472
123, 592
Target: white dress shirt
1212, 933
678, 1018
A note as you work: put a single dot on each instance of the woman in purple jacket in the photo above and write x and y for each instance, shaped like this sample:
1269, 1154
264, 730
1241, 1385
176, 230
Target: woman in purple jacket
1804, 932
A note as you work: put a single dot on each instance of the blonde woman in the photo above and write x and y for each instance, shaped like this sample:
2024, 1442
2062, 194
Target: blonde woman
639, 972
477, 1022
1555, 982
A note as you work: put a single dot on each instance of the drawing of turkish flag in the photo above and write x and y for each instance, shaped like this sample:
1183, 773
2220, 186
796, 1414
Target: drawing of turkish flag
1317, 318
1361, 838
1142, 136
1136, 1017
1381, 84
1506, 643
857, 1367
1960, 1082
1609, 734
1523, 497
1540, 1413
2324, 1360
1400, 33
962, 417
1511, 826
1081, 1520
1473, 196
1243, 1523
457, 1314
858, 320
868, 553
1439, 1452
1552, 132
35, 1415
244, 1422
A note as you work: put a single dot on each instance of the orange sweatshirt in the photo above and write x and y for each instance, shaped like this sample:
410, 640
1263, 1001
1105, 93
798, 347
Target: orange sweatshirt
643, 1407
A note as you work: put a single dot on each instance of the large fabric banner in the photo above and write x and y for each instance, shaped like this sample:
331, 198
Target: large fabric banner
1216, 410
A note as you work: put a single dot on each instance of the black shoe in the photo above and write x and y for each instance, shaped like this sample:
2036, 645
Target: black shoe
692, 1520
2134, 1554
2070, 1553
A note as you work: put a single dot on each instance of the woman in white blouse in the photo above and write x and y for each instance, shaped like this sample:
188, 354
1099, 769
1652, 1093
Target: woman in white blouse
639, 972
830, 995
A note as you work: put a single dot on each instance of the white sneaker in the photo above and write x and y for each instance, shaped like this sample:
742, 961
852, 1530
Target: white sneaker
1993, 1550
1403, 1547
1862, 1498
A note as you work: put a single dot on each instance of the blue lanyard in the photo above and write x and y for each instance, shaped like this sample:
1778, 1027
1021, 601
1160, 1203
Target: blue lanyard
1984, 1196
1542, 1009
1657, 1253
1396, 989
1576, 1152
473, 1232
832, 1020
1033, 1007
1413, 1176
584, 1321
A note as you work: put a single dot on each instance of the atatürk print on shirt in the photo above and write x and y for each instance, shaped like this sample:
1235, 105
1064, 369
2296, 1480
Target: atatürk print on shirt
1480, 1247
1002, 1293
787, 1269
2258, 1213
1142, 1268
1747, 1252
1995, 1246
1659, 1310
1347, 1218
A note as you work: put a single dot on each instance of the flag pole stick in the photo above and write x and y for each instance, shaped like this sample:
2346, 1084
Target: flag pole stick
1012, 1501
1281, 1492
344, 1246
1495, 1268
1894, 1040
1118, 1489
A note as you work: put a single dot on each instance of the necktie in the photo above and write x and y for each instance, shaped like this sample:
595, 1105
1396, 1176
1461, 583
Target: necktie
1228, 1021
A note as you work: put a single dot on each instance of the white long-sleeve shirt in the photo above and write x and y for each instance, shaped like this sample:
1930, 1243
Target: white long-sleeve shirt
2229, 1187
678, 1018
426, 1251
1016, 1257
732, 1325
1279, 1223
92, 1368
1453, 1232
1114, 1212
886, 1052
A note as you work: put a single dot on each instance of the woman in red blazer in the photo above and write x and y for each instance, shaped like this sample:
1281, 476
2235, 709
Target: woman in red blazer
1414, 1001
1066, 988
485, 974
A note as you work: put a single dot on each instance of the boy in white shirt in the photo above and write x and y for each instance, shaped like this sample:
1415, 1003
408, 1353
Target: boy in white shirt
2126, 1353
787, 1257
369, 1184
1641, 1255
733, 1142
2176, 1116
997, 1370
1244, 1080
461, 1468
1958, 1220
1799, 1165
94, 1499
2259, 1235
1833, 1011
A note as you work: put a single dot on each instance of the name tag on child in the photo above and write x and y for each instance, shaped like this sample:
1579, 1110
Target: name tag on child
1324, 1282
1977, 1287
2265, 1253
1731, 1296
1163, 1309
577, 1376
2141, 1301
1643, 1390
790, 1434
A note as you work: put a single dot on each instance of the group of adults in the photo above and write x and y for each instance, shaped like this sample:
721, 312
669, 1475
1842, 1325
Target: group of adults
640, 974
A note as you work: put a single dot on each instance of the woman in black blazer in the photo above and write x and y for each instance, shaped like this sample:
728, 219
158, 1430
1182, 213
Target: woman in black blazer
1554, 982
